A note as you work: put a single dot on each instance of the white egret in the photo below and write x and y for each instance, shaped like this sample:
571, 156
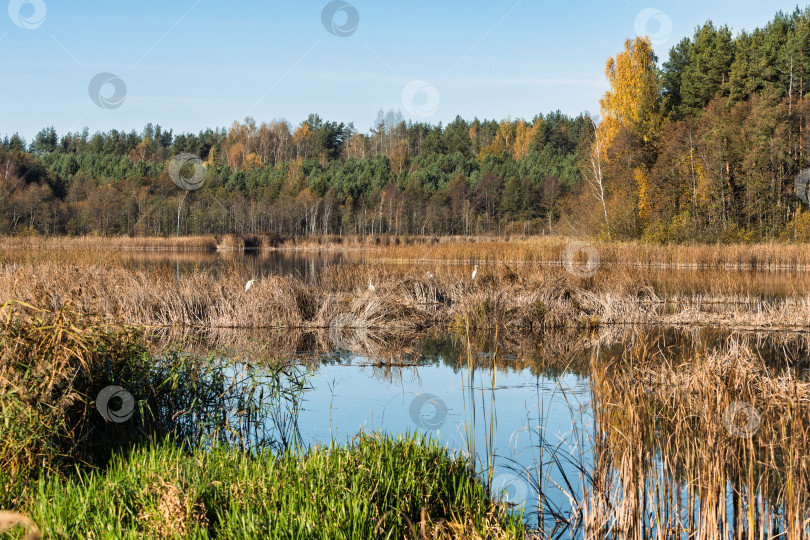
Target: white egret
371, 286
249, 284
475, 272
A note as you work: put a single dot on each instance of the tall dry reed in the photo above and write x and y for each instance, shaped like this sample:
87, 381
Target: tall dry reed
547, 250
714, 445
390, 298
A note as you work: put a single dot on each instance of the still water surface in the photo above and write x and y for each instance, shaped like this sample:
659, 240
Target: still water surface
442, 402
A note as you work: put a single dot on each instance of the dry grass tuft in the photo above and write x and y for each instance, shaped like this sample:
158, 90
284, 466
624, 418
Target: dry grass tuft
718, 441
12, 520
175, 513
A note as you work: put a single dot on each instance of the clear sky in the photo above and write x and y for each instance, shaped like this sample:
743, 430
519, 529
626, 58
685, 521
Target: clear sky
192, 64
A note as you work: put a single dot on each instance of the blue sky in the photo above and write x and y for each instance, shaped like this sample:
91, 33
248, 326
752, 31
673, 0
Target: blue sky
193, 64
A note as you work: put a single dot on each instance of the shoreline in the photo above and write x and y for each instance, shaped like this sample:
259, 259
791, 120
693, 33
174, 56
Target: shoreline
540, 250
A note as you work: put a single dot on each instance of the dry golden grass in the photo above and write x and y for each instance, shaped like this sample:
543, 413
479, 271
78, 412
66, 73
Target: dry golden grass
172, 243
11, 520
524, 250
549, 250
406, 297
700, 444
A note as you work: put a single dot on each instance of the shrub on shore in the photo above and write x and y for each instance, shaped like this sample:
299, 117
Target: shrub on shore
52, 365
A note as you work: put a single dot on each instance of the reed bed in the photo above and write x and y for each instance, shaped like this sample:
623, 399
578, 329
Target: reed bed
386, 300
55, 364
710, 445
50, 363
123, 243
549, 250
546, 250
733, 284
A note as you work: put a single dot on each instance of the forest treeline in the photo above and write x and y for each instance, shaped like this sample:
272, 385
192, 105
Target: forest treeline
704, 147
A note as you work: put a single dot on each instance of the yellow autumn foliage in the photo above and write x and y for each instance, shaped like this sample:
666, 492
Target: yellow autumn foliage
633, 98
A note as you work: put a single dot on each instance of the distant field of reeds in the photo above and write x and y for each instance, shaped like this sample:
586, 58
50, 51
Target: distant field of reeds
182, 243
546, 249
549, 250
536, 250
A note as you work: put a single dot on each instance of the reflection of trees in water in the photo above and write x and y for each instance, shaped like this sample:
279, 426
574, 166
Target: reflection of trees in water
306, 265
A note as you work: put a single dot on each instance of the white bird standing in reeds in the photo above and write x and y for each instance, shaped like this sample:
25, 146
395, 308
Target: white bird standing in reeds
475, 272
371, 286
249, 285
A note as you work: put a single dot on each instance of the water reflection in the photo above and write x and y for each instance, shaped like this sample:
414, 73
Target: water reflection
712, 444
583, 428
305, 265
355, 395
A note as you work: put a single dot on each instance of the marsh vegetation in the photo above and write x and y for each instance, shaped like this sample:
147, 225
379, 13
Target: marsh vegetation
307, 331
609, 406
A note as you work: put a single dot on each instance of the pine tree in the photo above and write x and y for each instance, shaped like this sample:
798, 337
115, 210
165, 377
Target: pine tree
707, 74
672, 78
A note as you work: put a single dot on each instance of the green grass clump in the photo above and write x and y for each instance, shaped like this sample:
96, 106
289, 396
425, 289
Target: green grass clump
373, 487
